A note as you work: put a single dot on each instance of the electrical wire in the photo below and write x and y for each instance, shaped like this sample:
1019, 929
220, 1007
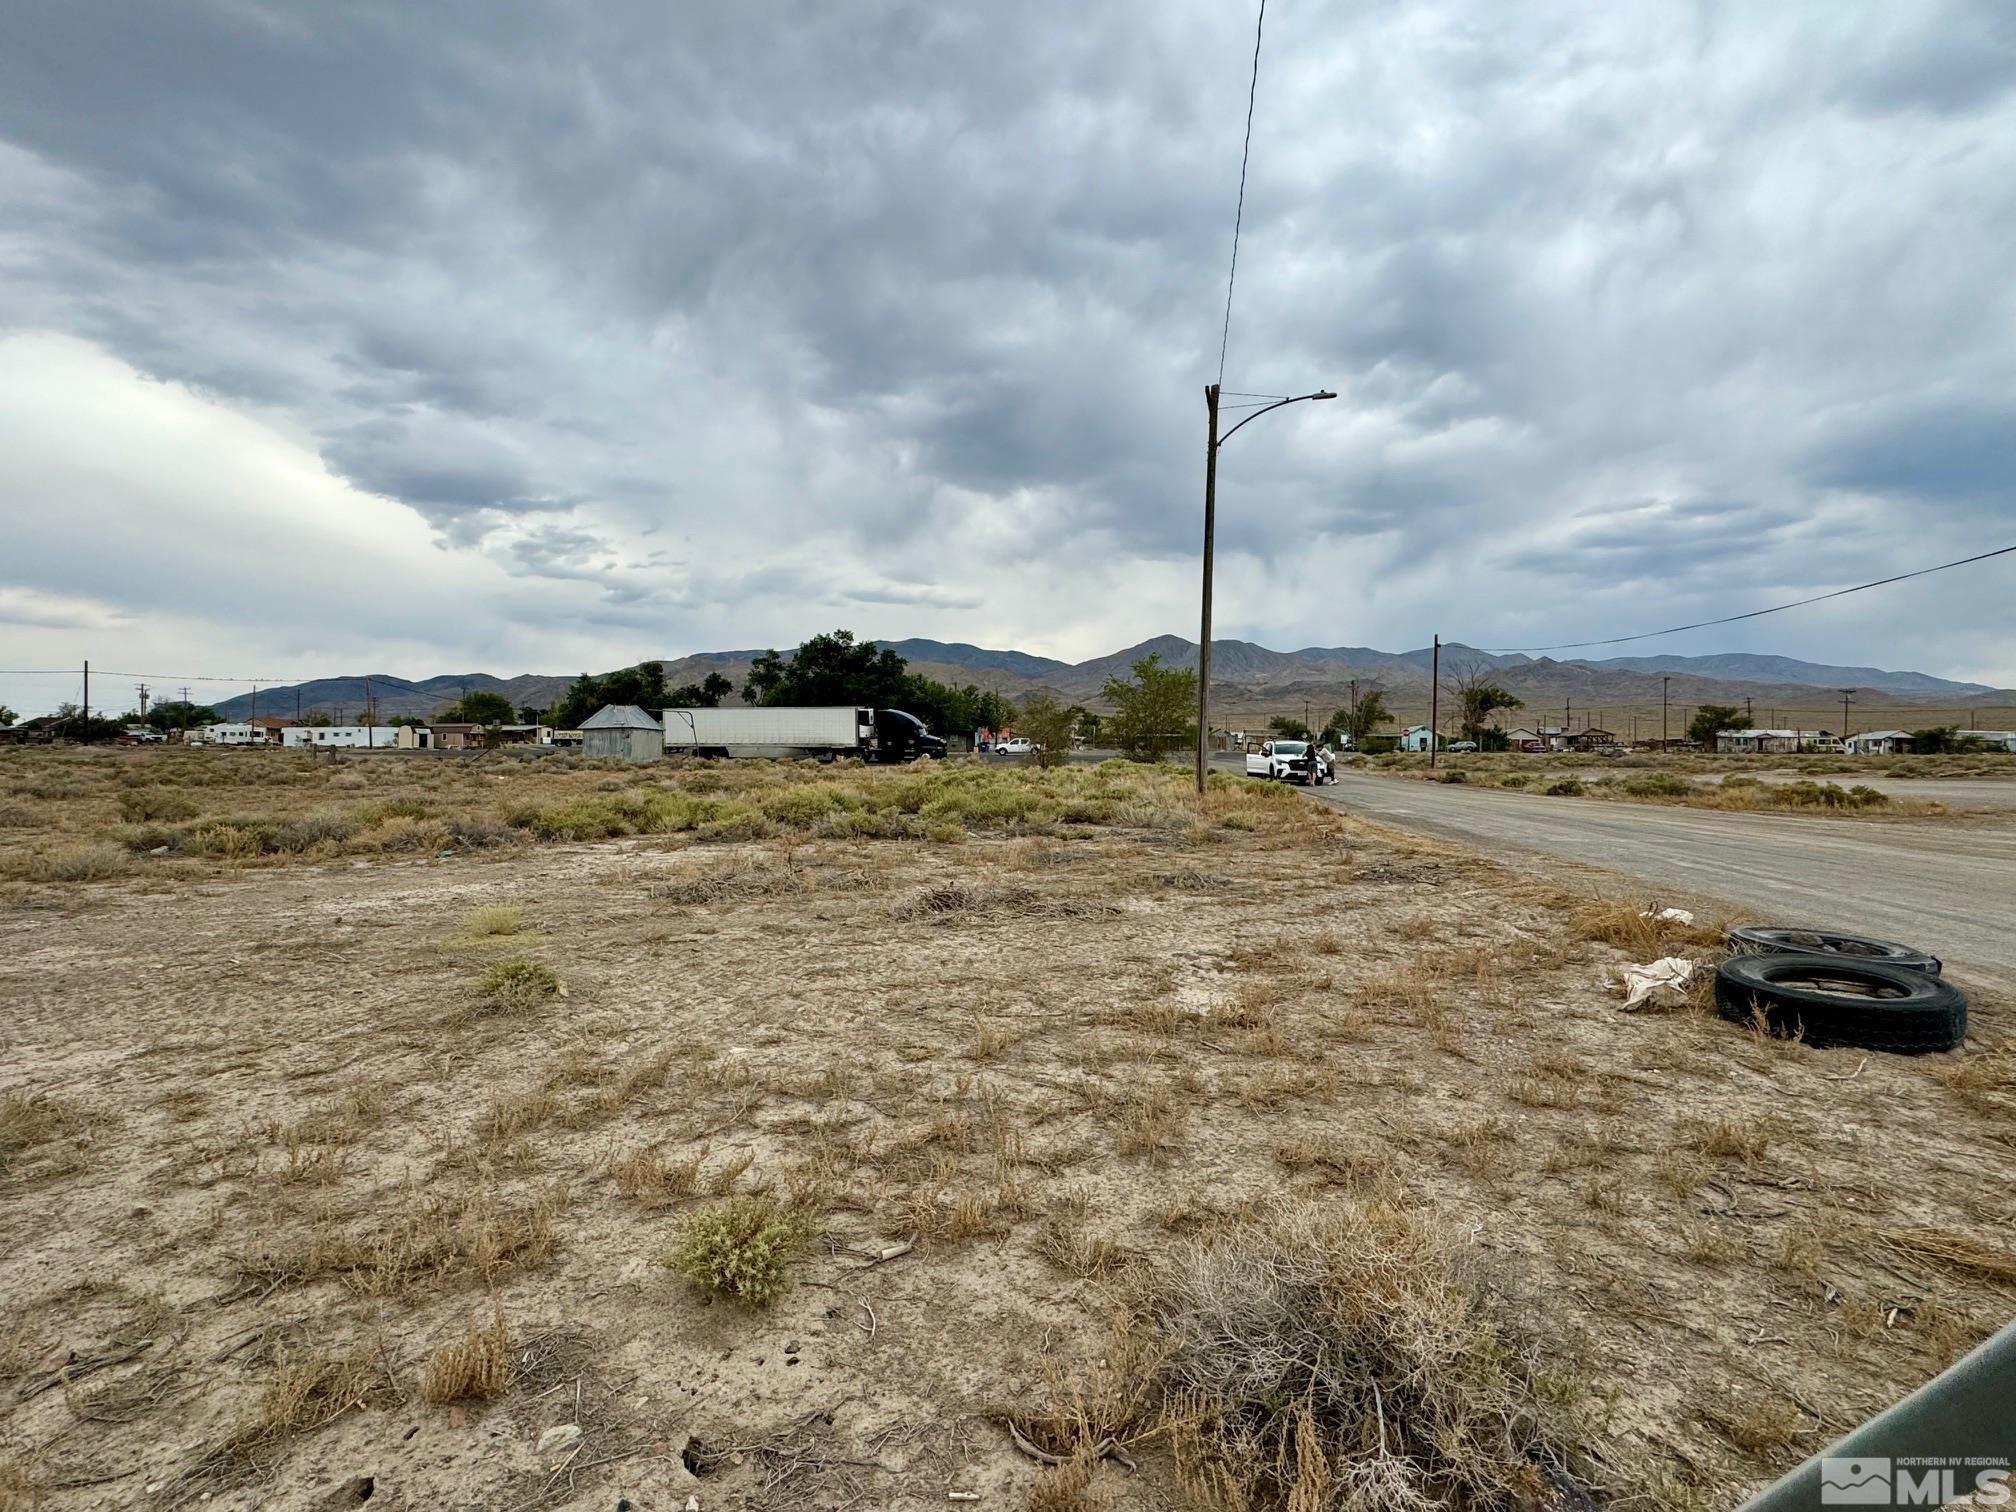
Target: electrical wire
1239, 215
1730, 619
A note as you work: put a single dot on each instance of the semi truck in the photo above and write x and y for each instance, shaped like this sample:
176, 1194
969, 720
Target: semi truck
881, 735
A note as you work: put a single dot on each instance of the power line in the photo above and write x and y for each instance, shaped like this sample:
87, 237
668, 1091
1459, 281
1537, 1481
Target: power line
1239, 215
174, 677
1730, 619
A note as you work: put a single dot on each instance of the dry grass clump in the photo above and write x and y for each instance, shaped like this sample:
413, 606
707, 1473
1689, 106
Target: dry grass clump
512, 985
1634, 929
1066, 1244
650, 1177
1987, 1080
1955, 1250
442, 1238
475, 1367
79, 863
742, 1249
311, 1388
496, 919
1352, 1356
31, 1120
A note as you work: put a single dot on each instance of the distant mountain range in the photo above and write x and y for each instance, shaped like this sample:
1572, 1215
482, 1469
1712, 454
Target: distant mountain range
1248, 679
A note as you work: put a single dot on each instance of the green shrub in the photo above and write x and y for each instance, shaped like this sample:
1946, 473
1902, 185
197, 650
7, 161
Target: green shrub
1658, 785
144, 804
1567, 787
1741, 780
517, 984
741, 1250
1515, 780
1867, 797
1453, 775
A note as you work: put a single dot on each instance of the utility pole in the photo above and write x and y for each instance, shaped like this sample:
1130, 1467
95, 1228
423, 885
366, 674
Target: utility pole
1746, 706
1204, 635
142, 690
87, 690
1846, 699
1664, 737
1435, 702
182, 714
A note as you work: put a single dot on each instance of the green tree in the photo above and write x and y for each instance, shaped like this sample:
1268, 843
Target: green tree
1478, 698
1285, 728
829, 669
705, 694
1155, 713
1940, 740
406, 721
73, 724
181, 716
1358, 720
1711, 719
478, 709
7, 716
1049, 724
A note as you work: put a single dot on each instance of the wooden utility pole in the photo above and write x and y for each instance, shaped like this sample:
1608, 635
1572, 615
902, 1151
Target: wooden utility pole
1845, 701
1664, 732
1435, 701
87, 690
1204, 634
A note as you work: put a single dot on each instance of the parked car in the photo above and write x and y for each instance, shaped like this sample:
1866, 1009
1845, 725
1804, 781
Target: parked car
1290, 761
1459, 747
1019, 746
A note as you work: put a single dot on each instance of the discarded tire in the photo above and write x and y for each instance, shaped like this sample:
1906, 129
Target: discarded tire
1838, 1000
1765, 939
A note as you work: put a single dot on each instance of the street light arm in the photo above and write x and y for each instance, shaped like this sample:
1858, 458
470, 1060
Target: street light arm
1319, 394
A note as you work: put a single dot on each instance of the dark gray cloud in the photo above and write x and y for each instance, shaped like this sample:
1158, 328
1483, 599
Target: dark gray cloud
732, 322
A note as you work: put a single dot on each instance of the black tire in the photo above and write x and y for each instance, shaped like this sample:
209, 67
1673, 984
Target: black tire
1771, 939
1835, 1000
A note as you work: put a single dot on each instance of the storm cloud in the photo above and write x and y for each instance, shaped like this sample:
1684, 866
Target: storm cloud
632, 329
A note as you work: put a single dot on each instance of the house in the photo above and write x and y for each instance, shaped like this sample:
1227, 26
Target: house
1589, 739
516, 734
272, 727
347, 737
243, 734
456, 737
1995, 740
622, 732
1879, 743
1417, 738
1523, 739
1776, 742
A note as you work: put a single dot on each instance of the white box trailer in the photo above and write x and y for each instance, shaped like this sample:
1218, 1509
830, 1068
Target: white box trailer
779, 732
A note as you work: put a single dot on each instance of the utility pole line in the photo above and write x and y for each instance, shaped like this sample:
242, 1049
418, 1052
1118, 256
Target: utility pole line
1664, 733
142, 690
1435, 702
1204, 634
1846, 700
87, 690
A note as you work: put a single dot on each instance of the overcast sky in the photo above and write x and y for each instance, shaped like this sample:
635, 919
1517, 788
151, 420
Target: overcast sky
420, 338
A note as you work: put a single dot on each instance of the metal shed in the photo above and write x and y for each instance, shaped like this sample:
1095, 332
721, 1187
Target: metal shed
622, 732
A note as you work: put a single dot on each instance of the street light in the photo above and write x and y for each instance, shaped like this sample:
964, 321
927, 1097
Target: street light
1210, 524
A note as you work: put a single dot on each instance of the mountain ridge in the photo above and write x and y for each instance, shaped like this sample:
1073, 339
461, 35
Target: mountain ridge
1245, 672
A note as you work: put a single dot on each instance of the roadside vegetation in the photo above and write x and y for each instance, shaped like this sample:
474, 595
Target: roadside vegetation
1738, 792
76, 815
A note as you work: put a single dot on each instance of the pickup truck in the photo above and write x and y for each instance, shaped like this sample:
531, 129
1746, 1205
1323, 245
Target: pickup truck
1290, 761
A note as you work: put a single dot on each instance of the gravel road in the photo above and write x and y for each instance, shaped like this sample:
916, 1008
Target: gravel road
1948, 887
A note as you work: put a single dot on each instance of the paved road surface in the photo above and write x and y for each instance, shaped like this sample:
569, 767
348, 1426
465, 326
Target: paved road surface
1948, 887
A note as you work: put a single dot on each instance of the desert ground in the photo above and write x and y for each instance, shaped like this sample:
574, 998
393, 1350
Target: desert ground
513, 1134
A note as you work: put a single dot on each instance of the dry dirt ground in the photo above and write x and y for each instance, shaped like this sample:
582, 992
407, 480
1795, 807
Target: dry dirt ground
266, 1153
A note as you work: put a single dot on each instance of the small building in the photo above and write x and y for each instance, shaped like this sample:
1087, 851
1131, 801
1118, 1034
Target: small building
622, 732
1417, 738
273, 727
1877, 743
1777, 742
244, 734
1523, 739
456, 737
1995, 740
413, 738
1589, 739
569, 739
516, 734
347, 737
